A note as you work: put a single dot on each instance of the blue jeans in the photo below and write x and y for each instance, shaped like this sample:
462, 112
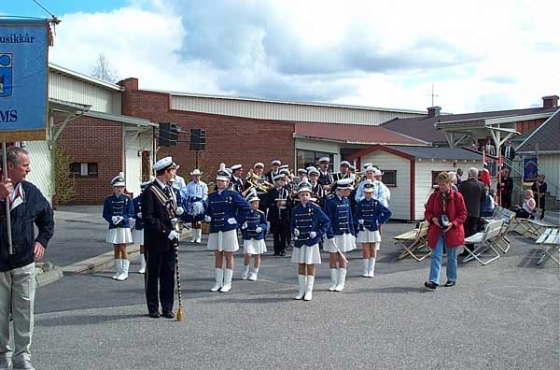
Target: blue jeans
437, 257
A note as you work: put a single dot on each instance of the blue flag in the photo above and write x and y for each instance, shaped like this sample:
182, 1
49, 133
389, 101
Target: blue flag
23, 79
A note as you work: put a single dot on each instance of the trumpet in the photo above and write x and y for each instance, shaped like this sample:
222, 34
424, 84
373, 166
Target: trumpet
257, 182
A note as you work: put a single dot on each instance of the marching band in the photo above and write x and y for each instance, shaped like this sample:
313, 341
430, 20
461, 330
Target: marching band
312, 210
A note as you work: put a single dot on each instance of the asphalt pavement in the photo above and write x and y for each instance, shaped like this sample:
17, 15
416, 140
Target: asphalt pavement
502, 316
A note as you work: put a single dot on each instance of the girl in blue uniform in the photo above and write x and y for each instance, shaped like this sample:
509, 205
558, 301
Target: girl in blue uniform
308, 224
138, 232
253, 227
224, 208
117, 210
340, 236
369, 215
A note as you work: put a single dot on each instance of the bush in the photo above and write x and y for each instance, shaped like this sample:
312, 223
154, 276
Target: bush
65, 182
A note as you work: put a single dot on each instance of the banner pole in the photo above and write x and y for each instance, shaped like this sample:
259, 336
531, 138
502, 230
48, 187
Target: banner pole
7, 202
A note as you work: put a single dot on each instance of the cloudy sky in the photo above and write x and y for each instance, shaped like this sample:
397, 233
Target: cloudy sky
478, 55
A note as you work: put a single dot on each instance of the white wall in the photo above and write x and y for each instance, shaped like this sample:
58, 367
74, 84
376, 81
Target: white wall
133, 169
400, 195
41, 167
549, 165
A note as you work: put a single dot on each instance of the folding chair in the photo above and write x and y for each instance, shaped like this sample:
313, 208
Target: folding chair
412, 241
537, 227
549, 242
502, 240
521, 226
485, 241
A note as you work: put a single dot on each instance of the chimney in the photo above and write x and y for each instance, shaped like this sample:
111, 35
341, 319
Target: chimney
434, 111
130, 83
550, 101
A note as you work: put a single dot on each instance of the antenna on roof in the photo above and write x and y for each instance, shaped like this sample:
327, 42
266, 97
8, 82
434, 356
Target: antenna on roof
433, 96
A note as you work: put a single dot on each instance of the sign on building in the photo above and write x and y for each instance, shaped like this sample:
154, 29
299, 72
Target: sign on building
530, 169
23, 79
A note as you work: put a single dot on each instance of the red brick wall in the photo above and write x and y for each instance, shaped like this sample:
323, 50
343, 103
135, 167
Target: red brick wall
229, 139
92, 140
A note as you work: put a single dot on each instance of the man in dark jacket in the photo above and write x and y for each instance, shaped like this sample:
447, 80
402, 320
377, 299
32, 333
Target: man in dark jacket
473, 193
17, 262
159, 205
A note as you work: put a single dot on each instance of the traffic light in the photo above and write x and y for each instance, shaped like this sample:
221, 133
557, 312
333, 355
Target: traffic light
168, 134
198, 139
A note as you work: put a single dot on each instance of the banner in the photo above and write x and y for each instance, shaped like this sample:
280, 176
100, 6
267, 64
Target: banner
530, 169
23, 79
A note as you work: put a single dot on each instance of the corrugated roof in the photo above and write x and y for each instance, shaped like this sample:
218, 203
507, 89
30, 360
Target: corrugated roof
356, 134
438, 153
424, 127
547, 135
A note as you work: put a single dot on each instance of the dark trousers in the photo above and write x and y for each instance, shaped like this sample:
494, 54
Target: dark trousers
471, 228
281, 233
160, 271
506, 201
541, 203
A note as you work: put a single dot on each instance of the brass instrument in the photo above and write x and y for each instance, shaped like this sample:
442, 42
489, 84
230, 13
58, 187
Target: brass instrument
256, 182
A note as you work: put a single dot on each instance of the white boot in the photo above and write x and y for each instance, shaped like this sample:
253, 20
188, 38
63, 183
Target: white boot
118, 267
193, 239
245, 273
253, 275
142, 264
219, 280
309, 289
302, 281
334, 277
124, 270
198, 235
341, 280
371, 267
366, 267
228, 276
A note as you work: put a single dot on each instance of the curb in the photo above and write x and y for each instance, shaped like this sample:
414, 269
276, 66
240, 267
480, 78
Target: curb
106, 260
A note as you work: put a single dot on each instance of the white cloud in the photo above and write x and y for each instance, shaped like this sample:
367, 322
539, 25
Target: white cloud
480, 55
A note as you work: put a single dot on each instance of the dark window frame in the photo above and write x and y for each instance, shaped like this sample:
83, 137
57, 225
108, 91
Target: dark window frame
388, 184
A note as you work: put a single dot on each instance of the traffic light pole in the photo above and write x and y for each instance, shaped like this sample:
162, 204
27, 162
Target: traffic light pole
196, 159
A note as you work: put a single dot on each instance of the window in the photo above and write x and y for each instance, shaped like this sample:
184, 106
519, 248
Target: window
306, 158
84, 169
390, 178
434, 176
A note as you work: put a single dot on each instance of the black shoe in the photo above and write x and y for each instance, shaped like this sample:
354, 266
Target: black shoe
430, 285
154, 315
464, 254
282, 254
168, 315
449, 284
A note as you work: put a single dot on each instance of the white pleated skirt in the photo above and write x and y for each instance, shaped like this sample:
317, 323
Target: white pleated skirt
119, 235
254, 246
368, 236
138, 236
310, 255
223, 241
345, 243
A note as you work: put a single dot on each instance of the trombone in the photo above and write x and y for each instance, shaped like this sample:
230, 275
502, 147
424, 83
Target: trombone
256, 182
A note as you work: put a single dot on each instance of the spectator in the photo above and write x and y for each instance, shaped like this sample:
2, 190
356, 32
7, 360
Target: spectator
446, 214
540, 188
473, 193
528, 208
453, 177
459, 176
488, 205
506, 188
29, 208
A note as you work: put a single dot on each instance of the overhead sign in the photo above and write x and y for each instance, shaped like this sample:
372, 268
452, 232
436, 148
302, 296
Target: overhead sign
530, 169
23, 79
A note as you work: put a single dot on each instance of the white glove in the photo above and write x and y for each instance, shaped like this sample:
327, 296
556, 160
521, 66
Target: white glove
296, 232
361, 222
115, 219
244, 226
258, 229
312, 235
173, 235
207, 219
139, 214
231, 221
179, 211
121, 219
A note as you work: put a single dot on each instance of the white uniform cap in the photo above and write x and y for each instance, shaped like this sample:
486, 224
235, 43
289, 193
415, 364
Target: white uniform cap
324, 159
370, 169
279, 176
302, 170
236, 167
276, 162
366, 165
345, 163
164, 164
377, 172
345, 184
304, 186
258, 164
118, 180
222, 174
368, 186
312, 171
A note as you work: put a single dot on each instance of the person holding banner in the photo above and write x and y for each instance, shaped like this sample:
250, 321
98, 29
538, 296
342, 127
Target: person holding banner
28, 208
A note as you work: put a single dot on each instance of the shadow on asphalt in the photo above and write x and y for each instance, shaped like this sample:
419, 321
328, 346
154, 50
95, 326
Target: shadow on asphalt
80, 320
390, 290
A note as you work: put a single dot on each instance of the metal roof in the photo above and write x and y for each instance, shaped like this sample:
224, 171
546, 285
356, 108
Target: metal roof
438, 153
353, 134
80, 76
546, 135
